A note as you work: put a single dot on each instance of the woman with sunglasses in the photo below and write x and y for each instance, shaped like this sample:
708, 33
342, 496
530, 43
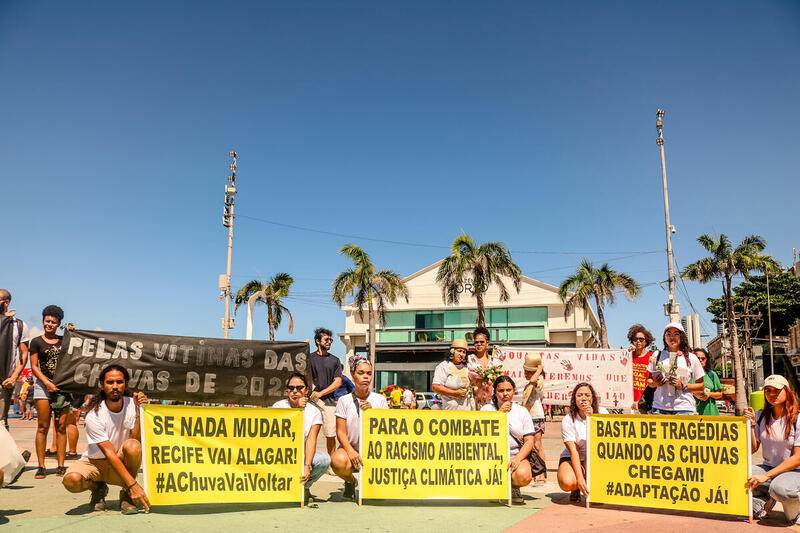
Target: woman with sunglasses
315, 463
479, 362
712, 387
777, 429
572, 463
640, 338
346, 460
520, 435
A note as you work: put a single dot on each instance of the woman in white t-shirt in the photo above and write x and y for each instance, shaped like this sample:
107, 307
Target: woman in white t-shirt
777, 429
315, 463
671, 373
346, 460
451, 379
520, 434
572, 464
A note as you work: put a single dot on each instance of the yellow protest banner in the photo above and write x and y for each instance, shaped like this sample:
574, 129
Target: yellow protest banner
221, 454
690, 463
410, 454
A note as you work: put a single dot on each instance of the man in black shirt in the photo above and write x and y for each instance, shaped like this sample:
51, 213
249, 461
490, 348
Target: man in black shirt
326, 371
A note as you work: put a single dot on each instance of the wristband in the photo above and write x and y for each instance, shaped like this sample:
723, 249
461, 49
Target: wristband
131, 485
307, 465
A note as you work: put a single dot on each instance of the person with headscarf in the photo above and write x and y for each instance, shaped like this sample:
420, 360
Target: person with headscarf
346, 460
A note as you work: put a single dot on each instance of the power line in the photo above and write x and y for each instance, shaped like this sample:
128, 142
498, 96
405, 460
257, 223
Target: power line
425, 245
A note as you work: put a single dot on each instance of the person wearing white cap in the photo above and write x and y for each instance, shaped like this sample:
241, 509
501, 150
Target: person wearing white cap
777, 429
451, 379
671, 373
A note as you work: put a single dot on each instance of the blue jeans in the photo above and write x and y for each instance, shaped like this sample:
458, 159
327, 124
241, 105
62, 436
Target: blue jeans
655, 411
783, 488
319, 465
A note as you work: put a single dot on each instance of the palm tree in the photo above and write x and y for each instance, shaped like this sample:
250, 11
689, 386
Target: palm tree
601, 284
370, 287
726, 262
271, 294
481, 266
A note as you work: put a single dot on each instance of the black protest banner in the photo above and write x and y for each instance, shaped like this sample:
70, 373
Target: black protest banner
192, 369
6, 345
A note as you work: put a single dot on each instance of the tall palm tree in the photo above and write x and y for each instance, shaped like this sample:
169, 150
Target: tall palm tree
726, 262
370, 287
270, 294
600, 284
482, 266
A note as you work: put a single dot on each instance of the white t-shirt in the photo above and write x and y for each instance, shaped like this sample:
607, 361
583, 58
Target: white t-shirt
575, 431
103, 425
453, 376
15, 340
519, 425
684, 400
774, 446
312, 416
408, 397
345, 408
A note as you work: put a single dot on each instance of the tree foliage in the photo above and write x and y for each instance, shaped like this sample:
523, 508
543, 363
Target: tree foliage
270, 294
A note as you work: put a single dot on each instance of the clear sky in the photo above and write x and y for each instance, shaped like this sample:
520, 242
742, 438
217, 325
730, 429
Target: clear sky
531, 123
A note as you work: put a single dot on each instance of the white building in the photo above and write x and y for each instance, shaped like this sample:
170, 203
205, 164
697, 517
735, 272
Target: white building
416, 335
691, 324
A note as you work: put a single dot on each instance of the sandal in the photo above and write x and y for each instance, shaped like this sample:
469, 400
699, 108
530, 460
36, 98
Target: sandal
41, 473
61, 470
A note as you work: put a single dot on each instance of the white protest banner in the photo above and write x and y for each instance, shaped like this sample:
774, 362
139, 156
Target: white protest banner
609, 371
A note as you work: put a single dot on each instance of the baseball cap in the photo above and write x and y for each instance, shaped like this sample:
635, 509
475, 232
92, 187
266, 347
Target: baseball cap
676, 325
777, 381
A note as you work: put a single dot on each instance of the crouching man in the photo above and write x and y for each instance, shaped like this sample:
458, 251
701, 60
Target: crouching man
115, 451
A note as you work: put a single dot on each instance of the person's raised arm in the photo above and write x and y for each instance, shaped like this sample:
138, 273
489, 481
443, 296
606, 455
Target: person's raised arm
750, 414
140, 399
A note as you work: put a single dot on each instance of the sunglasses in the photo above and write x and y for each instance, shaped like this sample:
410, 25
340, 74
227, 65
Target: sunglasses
295, 387
639, 339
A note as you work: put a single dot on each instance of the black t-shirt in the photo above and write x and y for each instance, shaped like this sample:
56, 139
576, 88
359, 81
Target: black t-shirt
324, 369
48, 354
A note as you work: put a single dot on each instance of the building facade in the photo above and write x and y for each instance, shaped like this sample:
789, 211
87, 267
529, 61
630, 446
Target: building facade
691, 324
416, 335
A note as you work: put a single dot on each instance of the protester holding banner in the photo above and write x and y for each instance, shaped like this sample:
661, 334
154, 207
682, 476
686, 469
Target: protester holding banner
712, 388
451, 379
572, 464
640, 338
671, 373
520, 434
316, 463
532, 401
346, 460
45, 352
13, 354
777, 429
114, 455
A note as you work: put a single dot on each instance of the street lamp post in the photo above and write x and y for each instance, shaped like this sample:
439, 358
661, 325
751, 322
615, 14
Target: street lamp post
769, 325
671, 309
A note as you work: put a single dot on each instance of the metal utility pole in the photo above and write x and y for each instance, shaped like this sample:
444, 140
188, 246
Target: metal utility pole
671, 308
769, 325
227, 221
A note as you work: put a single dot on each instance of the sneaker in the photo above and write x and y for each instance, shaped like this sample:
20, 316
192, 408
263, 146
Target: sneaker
99, 493
126, 505
516, 496
25, 455
575, 496
306, 496
349, 491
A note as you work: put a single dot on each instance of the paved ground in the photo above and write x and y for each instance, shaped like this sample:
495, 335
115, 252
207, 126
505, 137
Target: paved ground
43, 505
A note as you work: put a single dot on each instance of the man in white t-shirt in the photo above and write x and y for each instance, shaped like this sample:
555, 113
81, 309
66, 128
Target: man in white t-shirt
315, 463
408, 398
114, 454
19, 355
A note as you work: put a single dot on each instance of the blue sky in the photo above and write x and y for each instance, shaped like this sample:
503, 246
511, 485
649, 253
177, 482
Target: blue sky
531, 123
